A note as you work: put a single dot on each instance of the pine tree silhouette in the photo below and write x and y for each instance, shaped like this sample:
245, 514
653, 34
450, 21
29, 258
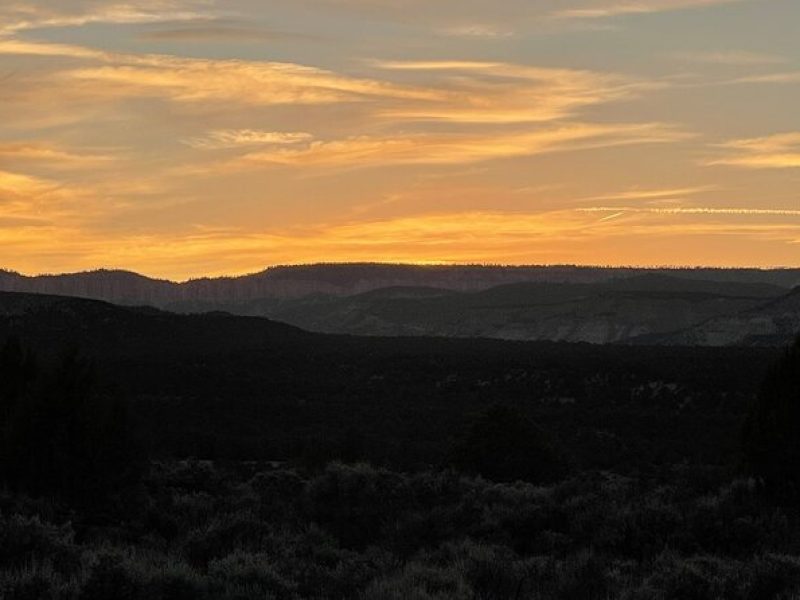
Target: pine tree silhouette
772, 430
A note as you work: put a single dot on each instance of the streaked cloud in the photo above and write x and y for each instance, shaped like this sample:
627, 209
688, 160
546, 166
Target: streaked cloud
655, 194
731, 58
17, 184
196, 80
237, 138
220, 30
489, 92
779, 151
37, 14
50, 154
510, 13
787, 77
40, 201
605, 9
477, 30
466, 92
432, 149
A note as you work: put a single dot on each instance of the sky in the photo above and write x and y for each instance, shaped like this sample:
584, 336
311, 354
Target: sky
183, 138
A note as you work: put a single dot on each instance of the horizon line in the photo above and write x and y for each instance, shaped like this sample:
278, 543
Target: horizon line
420, 265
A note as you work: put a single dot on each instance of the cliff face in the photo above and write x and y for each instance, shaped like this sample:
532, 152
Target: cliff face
612, 312
771, 323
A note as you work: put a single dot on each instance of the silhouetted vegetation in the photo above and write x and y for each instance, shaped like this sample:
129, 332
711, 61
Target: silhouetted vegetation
288, 465
60, 437
354, 531
503, 445
772, 431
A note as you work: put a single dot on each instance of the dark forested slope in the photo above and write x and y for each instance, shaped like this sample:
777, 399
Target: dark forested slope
215, 384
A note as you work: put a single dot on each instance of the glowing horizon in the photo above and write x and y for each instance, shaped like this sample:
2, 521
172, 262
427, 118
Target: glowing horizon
190, 138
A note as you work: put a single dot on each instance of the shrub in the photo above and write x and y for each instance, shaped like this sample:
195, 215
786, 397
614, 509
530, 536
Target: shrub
252, 572
113, 577
26, 540
771, 576
420, 582
172, 580
356, 502
36, 581
223, 535
492, 572
503, 445
583, 576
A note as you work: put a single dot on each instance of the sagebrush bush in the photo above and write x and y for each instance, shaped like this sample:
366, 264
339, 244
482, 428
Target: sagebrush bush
420, 582
253, 572
27, 540
37, 581
113, 576
224, 534
357, 531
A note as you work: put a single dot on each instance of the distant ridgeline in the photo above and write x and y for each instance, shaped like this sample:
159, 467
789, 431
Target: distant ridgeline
700, 306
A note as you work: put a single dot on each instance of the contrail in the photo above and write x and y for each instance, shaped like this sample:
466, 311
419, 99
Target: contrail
775, 212
611, 217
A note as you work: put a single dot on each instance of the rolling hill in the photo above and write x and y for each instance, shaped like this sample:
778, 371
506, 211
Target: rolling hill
123, 287
574, 304
772, 323
617, 311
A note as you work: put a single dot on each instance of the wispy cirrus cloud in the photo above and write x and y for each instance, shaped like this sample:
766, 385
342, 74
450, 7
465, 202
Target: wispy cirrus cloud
467, 92
730, 58
102, 77
655, 194
604, 8
779, 151
456, 92
202, 31
493, 92
37, 14
17, 184
239, 138
51, 155
477, 30
38, 200
509, 14
188, 79
448, 149
785, 77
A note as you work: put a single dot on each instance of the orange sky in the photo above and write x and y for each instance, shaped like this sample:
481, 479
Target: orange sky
181, 138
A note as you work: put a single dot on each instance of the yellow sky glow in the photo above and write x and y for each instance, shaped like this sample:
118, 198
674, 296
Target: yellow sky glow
182, 138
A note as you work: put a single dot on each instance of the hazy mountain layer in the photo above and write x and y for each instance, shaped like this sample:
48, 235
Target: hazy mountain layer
729, 307
618, 311
123, 287
771, 323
